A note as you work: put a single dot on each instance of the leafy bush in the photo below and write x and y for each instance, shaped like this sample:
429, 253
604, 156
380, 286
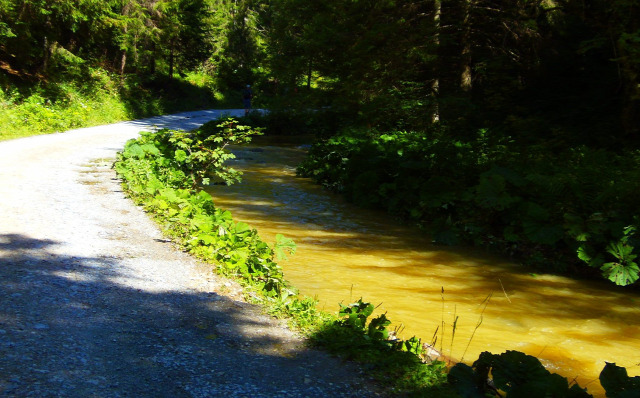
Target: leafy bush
165, 172
549, 209
515, 374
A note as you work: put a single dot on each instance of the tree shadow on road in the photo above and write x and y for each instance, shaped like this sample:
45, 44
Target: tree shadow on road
74, 326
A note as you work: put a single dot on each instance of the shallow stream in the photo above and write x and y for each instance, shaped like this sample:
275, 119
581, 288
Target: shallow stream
345, 253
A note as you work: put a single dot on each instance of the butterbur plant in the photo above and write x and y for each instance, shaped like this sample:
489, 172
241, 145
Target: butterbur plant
512, 374
355, 315
622, 268
377, 328
617, 383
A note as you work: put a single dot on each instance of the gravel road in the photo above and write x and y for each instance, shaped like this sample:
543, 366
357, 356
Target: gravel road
94, 302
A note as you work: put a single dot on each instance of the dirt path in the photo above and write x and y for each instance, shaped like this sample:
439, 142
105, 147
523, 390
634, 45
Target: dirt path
95, 303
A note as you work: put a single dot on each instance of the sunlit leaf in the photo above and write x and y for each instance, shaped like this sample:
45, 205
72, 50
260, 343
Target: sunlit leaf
283, 245
621, 274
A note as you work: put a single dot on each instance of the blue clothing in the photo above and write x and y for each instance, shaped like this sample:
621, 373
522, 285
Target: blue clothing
247, 94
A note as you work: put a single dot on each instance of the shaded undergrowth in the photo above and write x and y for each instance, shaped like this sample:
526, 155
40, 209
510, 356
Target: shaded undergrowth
564, 210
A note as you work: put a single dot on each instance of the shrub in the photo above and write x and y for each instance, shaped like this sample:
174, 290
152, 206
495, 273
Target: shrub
515, 374
165, 171
550, 209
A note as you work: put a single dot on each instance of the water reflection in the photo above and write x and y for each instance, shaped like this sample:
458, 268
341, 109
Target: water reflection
345, 253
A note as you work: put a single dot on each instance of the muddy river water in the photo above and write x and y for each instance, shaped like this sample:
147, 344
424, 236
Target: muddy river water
344, 253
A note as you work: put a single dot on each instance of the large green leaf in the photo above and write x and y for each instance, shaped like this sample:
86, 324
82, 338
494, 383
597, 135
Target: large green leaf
150, 148
621, 274
584, 254
514, 368
284, 244
356, 313
617, 383
180, 155
465, 382
242, 229
134, 150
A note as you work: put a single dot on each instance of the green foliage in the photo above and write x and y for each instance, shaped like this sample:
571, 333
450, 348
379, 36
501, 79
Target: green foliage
540, 206
623, 270
165, 172
356, 314
393, 361
617, 383
303, 313
512, 372
515, 374
282, 246
60, 106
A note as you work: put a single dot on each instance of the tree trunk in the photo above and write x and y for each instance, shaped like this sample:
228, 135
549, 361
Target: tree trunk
47, 50
630, 115
171, 59
135, 52
123, 62
465, 76
152, 59
123, 57
435, 85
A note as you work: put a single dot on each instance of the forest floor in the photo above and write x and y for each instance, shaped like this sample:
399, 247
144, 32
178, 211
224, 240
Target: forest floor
94, 302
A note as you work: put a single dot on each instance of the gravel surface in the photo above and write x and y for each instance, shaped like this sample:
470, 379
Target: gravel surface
94, 302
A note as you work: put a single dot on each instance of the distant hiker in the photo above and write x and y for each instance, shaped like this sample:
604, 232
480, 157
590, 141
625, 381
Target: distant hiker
247, 95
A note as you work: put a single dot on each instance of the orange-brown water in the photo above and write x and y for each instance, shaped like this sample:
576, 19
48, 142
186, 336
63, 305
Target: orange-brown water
345, 253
